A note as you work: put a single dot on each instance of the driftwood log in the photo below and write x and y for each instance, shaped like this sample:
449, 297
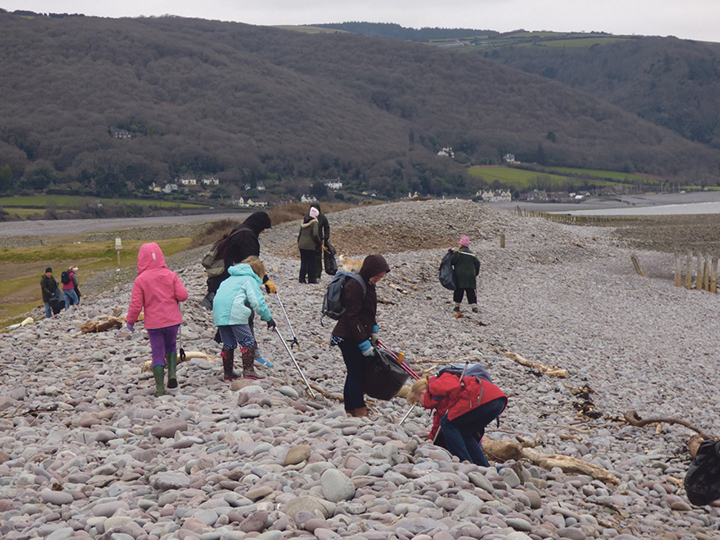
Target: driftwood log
502, 451
552, 371
633, 418
111, 323
147, 366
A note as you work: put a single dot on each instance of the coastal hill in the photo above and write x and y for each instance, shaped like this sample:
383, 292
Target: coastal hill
111, 106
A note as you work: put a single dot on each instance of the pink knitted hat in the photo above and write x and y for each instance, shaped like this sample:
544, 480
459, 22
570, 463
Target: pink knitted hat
465, 241
314, 212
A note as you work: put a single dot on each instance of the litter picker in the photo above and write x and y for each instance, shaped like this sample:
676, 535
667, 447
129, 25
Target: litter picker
294, 339
307, 384
399, 360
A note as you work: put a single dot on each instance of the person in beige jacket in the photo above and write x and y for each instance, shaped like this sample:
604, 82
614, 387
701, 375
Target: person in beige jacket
308, 241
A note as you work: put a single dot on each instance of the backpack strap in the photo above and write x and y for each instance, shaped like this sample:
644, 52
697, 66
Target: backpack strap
360, 280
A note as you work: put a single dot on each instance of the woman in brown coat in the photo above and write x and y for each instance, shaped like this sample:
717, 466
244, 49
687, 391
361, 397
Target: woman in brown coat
356, 328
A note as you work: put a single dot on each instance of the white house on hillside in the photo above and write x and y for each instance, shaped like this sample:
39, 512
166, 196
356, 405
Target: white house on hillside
210, 181
334, 185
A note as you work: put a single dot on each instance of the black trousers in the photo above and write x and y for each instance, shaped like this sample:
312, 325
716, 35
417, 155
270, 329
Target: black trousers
307, 265
458, 295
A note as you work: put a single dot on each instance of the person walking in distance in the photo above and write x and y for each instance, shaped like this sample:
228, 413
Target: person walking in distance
466, 267
157, 291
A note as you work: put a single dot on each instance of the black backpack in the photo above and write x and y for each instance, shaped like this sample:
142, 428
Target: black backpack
446, 274
332, 302
65, 277
702, 481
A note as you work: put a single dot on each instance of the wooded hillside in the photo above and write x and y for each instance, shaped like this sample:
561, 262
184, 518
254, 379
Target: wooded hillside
255, 104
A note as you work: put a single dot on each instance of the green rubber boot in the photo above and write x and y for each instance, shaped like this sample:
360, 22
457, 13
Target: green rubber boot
171, 360
159, 374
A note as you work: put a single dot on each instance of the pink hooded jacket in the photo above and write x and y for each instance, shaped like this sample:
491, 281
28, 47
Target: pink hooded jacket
157, 289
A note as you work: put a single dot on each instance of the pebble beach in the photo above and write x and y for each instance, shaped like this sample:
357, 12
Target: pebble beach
87, 451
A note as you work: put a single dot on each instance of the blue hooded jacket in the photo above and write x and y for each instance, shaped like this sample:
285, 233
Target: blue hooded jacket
235, 294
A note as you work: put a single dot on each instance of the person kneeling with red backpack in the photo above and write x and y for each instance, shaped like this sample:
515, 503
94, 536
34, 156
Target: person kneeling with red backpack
464, 405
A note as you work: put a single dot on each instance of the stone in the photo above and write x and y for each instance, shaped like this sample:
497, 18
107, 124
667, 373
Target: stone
255, 522
336, 486
167, 428
298, 454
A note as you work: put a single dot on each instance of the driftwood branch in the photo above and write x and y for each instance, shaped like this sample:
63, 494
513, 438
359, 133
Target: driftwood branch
633, 418
325, 393
102, 326
502, 451
552, 371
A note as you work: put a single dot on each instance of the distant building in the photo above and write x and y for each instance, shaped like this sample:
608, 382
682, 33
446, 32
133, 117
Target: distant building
537, 195
510, 158
307, 198
238, 202
256, 203
334, 185
169, 188
499, 195
187, 181
116, 133
447, 152
210, 181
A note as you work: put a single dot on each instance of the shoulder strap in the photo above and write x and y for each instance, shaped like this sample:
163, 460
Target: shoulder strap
360, 280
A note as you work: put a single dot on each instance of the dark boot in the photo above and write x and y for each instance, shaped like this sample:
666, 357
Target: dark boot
171, 361
228, 360
350, 412
248, 361
159, 374
361, 412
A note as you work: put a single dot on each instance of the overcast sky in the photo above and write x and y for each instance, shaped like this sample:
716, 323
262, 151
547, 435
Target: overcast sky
687, 19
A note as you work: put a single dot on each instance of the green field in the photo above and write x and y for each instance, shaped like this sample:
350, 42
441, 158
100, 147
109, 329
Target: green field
522, 179
556, 177
579, 42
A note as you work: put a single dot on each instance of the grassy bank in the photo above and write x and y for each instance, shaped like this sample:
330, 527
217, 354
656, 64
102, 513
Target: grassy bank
21, 268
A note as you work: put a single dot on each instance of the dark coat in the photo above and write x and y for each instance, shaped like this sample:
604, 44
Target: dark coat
48, 286
245, 243
466, 267
356, 323
309, 235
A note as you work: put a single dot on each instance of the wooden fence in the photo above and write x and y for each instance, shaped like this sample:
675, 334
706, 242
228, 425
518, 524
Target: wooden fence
567, 218
704, 266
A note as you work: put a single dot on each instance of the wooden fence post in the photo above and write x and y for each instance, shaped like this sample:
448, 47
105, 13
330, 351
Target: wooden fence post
688, 270
699, 277
636, 264
678, 269
706, 273
713, 274
502, 240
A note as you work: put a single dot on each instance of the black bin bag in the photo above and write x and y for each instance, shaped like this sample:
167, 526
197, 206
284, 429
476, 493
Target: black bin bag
384, 377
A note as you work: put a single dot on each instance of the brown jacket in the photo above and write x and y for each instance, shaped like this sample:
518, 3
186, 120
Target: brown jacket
356, 323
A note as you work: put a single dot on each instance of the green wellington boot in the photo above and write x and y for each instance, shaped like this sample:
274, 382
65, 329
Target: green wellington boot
159, 374
171, 360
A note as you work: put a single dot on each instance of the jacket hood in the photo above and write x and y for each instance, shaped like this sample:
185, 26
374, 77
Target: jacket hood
244, 270
150, 256
308, 221
372, 266
316, 205
258, 222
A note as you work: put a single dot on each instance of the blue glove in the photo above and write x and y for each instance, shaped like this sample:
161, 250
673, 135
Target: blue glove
131, 327
375, 329
366, 348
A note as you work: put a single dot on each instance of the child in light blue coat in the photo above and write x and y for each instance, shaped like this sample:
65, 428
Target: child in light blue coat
237, 298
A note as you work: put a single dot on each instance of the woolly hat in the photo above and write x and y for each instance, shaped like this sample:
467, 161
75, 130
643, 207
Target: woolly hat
465, 241
314, 212
48, 269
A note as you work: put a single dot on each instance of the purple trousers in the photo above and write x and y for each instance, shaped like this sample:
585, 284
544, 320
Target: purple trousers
163, 341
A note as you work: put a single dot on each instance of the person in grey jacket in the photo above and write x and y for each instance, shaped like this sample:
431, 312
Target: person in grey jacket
308, 242
324, 230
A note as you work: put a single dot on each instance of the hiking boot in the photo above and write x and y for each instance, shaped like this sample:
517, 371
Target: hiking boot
171, 361
248, 362
251, 374
207, 302
475, 309
228, 360
360, 412
264, 362
159, 374
456, 309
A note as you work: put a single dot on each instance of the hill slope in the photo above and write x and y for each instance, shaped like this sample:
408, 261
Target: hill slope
252, 104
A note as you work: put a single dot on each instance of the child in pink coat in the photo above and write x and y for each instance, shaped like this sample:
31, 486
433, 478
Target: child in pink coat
157, 290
